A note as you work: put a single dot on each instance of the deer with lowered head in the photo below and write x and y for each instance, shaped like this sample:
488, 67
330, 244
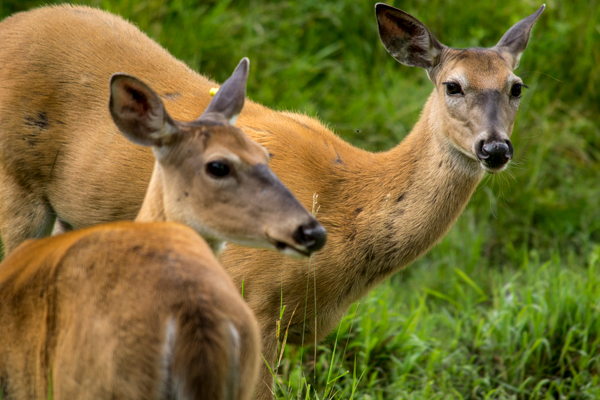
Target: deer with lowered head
381, 210
144, 310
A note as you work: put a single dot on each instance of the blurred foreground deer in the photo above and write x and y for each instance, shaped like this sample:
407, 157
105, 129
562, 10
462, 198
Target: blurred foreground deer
381, 210
144, 310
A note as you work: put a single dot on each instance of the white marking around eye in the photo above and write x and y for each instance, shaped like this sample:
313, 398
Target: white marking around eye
455, 100
460, 79
228, 156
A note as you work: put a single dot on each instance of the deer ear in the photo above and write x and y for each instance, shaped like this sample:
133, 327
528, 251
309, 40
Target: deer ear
229, 100
406, 38
515, 40
138, 112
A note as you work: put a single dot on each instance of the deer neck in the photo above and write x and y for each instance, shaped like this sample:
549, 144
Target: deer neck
154, 208
429, 182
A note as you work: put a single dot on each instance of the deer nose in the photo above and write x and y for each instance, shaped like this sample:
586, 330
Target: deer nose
311, 235
494, 153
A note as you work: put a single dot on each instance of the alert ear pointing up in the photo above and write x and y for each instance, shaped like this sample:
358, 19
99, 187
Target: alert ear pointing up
406, 38
229, 100
515, 40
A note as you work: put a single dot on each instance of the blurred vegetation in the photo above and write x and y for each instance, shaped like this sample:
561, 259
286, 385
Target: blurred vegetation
446, 327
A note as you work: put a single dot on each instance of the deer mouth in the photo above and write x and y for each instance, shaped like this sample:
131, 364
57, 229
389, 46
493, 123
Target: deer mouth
493, 170
288, 249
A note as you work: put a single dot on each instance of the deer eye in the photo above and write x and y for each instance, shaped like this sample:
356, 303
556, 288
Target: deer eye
515, 91
452, 88
217, 169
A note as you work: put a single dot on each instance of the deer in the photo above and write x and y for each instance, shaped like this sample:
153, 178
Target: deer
125, 310
382, 211
208, 174
144, 310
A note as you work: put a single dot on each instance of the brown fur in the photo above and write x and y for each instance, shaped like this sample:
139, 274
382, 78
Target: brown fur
124, 317
44, 125
429, 177
123, 311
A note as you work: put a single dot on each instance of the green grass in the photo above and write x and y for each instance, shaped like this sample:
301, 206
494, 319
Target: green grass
528, 331
506, 305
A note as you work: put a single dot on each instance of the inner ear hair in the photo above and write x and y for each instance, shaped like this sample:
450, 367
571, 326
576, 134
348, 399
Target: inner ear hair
407, 39
139, 112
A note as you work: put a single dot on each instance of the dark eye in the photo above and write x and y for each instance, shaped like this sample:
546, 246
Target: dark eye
217, 169
515, 91
453, 88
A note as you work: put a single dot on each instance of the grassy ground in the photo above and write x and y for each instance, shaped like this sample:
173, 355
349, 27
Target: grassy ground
507, 305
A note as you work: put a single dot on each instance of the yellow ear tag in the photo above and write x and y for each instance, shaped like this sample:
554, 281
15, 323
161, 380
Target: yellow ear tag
214, 91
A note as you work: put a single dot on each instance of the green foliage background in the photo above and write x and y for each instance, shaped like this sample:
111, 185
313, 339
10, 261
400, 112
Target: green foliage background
506, 306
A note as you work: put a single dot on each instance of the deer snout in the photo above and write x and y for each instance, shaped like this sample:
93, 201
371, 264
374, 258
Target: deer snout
494, 154
311, 235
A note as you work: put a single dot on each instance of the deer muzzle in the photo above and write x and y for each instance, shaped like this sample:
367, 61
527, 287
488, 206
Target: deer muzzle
494, 155
311, 236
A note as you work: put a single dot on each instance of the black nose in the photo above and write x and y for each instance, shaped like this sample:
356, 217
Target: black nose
311, 235
494, 154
